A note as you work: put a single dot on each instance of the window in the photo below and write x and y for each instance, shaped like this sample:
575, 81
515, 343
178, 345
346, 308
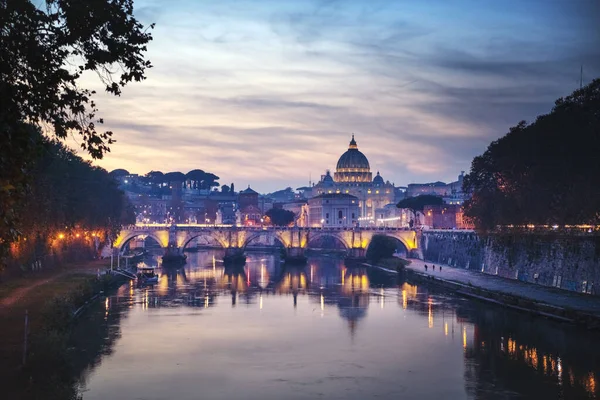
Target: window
327, 215
352, 215
340, 215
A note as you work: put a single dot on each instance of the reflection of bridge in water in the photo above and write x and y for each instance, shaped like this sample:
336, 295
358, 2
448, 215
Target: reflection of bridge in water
175, 238
325, 281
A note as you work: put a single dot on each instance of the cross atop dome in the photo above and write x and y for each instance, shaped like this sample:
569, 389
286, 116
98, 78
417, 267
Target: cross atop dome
352, 143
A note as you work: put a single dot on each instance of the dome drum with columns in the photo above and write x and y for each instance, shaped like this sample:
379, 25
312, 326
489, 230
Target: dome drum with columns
353, 176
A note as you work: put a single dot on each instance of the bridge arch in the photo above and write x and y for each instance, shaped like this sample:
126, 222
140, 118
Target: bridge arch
400, 243
314, 236
202, 234
256, 235
121, 242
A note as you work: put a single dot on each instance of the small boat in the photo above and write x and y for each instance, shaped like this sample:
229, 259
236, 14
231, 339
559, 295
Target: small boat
147, 276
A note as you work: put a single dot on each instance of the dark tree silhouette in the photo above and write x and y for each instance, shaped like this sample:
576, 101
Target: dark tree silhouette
117, 173
418, 203
46, 46
545, 172
280, 217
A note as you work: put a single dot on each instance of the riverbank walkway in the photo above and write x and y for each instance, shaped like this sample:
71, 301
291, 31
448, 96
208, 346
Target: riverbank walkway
553, 297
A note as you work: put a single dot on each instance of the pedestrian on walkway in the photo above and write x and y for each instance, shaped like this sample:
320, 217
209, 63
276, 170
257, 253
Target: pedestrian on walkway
433, 267
425, 267
440, 268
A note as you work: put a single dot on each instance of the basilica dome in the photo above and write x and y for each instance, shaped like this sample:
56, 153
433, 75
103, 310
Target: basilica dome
353, 166
378, 180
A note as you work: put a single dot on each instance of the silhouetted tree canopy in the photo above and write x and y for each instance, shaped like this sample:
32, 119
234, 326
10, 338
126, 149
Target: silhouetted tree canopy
66, 194
118, 172
174, 177
45, 47
418, 203
280, 217
48, 45
546, 172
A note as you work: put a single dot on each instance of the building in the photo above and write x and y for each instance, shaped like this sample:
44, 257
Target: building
300, 210
452, 192
353, 177
447, 216
247, 197
250, 215
333, 210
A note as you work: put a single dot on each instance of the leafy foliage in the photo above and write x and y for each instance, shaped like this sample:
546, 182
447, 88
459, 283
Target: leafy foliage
418, 203
545, 172
46, 49
66, 193
280, 217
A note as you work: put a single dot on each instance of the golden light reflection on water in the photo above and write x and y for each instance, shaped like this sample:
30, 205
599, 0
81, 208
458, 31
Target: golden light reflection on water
446, 329
590, 384
464, 335
430, 313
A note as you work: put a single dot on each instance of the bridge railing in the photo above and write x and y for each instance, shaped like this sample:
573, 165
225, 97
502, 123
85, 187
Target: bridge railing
145, 227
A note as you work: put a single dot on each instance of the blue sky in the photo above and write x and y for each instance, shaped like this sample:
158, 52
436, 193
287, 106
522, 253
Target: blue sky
267, 92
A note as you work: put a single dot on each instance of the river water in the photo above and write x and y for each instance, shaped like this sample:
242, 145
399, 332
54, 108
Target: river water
327, 331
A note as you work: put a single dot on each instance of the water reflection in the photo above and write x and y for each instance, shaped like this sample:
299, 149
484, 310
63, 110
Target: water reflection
396, 338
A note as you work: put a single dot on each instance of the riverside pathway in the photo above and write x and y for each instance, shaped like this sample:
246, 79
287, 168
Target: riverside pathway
541, 294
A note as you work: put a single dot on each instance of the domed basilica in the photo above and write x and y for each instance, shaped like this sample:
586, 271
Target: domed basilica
353, 176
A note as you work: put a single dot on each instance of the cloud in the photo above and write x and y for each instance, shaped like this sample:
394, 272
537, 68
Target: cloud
269, 92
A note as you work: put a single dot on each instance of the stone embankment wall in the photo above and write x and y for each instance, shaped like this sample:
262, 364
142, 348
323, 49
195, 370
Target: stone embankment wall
570, 262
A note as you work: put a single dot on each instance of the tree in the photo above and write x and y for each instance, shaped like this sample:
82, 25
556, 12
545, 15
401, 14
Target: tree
280, 217
543, 173
418, 203
118, 173
381, 247
45, 49
224, 189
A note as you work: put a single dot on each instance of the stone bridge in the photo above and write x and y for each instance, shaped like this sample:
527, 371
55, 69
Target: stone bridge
294, 239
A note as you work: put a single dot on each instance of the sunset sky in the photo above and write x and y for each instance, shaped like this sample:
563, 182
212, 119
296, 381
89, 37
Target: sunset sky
267, 92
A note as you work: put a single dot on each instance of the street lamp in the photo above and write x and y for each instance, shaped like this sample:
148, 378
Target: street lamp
322, 222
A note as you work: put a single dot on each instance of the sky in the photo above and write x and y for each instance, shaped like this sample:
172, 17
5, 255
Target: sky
268, 93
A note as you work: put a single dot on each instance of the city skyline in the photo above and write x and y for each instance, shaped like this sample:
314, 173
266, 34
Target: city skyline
252, 90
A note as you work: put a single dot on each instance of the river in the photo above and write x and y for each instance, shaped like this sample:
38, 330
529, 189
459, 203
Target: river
325, 331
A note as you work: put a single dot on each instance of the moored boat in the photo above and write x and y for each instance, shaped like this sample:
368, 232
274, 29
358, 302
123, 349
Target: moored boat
147, 276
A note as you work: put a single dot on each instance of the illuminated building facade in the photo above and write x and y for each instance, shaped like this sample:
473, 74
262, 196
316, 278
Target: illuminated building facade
333, 210
353, 177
